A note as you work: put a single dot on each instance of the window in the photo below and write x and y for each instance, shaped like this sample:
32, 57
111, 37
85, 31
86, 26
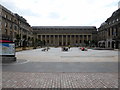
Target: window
47, 41
10, 33
10, 26
80, 41
5, 16
113, 21
15, 21
39, 36
15, 27
81, 36
10, 19
64, 36
19, 22
112, 31
89, 36
109, 32
6, 31
85, 36
117, 19
5, 24
15, 33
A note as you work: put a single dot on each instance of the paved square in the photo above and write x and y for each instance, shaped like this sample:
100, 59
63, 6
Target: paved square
57, 69
59, 80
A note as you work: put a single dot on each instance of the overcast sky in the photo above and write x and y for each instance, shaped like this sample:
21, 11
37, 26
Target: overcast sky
63, 12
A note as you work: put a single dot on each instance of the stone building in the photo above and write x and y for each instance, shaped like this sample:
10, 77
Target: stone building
25, 30
109, 32
14, 27
66, 35
119, 4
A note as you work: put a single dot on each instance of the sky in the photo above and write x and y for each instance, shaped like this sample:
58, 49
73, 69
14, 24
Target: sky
62, 12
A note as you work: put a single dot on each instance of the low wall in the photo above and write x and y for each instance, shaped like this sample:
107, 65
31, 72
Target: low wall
7, 59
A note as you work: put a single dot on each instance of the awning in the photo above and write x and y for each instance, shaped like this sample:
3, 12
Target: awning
3, 41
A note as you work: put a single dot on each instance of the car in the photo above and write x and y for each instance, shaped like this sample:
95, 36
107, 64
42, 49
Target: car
83, 49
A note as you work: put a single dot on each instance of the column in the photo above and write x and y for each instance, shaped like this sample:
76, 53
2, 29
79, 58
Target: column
82, 38
91, 37
87, 37
45, 38
58, 40
66, 39
70, 40
75, 40
41, 38
62, 39
49, 39
54, 40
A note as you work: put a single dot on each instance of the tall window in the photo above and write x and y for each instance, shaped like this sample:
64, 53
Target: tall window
10, 26
15, 27
112, 30
6, 31
108, 32
5, 24
80, 41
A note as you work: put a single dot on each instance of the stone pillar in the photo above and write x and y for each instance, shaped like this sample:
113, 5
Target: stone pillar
66, 39
54, 40
87, 37
58, 40
83, 38
110, 32
91, 37
62, 39
79, 39
41, 38
70, 40
45, 38
75, 40
50, 40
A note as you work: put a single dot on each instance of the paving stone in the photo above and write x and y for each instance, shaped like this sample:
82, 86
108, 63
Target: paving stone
59, 80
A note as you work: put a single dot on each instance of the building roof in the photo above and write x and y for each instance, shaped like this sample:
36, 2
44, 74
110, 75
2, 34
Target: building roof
61, 27
64, 29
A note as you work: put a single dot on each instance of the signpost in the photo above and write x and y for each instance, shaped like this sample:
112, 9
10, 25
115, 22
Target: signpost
7, 51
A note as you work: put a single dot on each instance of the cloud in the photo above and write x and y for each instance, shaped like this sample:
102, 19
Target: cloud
63, 12
54, 15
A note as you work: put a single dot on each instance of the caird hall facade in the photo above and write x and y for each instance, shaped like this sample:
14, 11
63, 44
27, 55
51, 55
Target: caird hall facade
16, 28
65, 35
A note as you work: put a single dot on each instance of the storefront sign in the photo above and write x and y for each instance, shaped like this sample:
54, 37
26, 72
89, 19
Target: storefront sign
7, 49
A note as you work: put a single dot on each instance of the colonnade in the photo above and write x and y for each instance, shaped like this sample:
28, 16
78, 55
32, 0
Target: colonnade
64, 40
